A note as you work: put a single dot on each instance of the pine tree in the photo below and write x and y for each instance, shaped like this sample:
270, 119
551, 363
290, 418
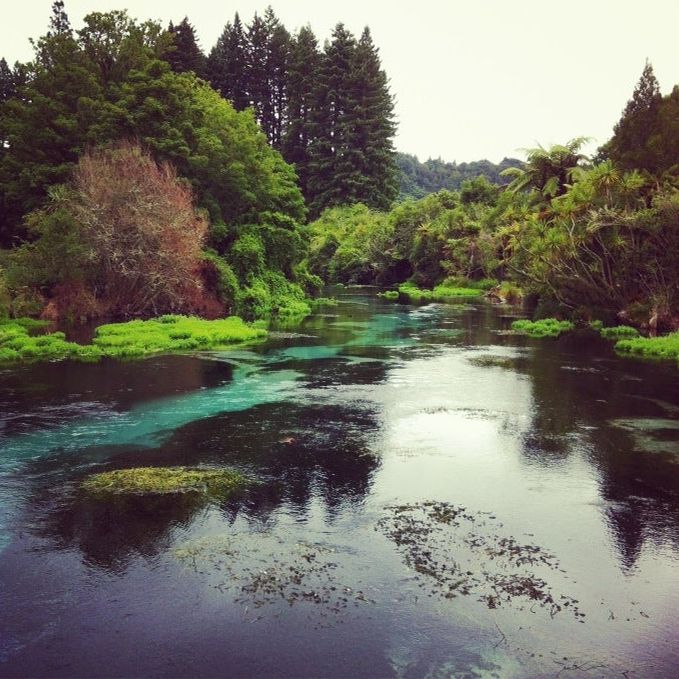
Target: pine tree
303, 65
276, 67
186, 55
227, 64
629, 146
371, 130
352, 154
257, 83
329, 148
7, 88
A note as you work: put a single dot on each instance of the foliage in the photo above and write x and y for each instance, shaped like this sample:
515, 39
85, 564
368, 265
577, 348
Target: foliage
441, 293
666, 347
163, 480
546, 327
134, 339
418, 179
548, 172
618, 332
172, 333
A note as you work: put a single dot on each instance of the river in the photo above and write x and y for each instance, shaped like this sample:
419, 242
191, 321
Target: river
436, 498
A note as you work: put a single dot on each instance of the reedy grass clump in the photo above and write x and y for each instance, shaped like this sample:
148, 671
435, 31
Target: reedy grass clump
545, 327
665, 347
163, 481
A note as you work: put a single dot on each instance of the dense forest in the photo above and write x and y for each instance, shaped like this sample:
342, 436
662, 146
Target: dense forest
418, 179
140, 176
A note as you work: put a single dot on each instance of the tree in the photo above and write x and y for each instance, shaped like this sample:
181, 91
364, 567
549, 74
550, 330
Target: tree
186, 55
629, 146
227, 65
352, 156
330, 125
548, 172
133, 237
303, 64
372, 129
276, 68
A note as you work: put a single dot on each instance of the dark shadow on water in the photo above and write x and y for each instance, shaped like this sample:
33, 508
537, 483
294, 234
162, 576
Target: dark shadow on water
47, 394
298, 454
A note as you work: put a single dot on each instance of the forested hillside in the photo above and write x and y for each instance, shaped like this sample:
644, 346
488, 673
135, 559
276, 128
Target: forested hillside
417, 179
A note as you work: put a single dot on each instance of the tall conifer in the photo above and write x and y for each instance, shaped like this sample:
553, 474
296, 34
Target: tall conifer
227, 64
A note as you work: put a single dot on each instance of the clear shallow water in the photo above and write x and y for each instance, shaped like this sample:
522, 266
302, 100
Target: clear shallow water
564, 458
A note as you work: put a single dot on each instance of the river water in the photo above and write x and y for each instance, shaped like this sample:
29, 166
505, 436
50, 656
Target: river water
435, 498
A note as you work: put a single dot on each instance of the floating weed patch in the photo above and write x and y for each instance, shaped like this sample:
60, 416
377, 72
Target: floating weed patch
455, 552
164, 481
441, 293
665, 347
172, 333
324, 301
264, 573
17, 343
546, 327
618, 332
493, 362
134, 339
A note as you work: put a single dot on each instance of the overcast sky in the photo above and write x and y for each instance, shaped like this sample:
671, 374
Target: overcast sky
473, 79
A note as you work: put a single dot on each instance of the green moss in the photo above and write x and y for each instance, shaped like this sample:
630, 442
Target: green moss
391, 295
666, 347
618, 332
441, 293
164, 480
546, 327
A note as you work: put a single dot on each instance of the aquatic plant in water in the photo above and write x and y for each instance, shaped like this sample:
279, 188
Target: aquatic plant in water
441, 293
133, 339
665, 347
164, 480
546, 327
456, 552
618, 332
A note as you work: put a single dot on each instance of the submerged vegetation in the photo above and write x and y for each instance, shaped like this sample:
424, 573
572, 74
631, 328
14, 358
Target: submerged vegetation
164, 480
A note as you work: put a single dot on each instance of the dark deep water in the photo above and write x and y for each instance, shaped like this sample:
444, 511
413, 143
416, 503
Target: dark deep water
552, 547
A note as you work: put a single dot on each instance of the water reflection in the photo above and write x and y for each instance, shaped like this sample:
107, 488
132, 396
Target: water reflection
367, 405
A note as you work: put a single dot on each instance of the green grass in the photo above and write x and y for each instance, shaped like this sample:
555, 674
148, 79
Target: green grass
441, 293
665, 347
134, 339
164, 480
546, 327
619, 332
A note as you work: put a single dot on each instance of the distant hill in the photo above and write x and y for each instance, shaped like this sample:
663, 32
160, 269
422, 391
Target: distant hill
419, 179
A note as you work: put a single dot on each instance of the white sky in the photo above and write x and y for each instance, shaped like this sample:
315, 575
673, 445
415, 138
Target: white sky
474, 78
